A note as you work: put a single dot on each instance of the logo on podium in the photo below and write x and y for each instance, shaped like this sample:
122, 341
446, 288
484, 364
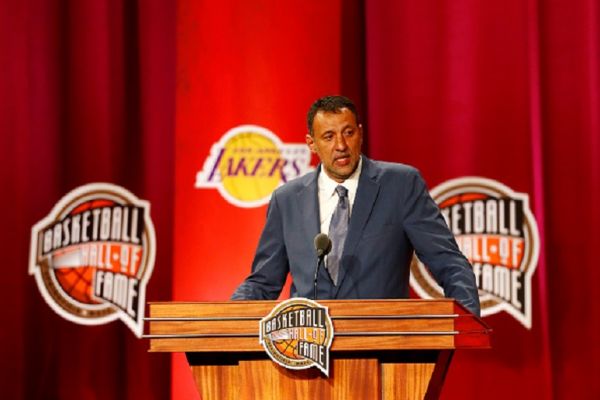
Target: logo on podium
297, 334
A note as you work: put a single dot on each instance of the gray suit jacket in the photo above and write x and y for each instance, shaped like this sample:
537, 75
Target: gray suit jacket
392, 216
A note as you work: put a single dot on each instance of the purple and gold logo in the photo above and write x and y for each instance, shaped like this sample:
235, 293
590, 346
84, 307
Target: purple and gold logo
249, 162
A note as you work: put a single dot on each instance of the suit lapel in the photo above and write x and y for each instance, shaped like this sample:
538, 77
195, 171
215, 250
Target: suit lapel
366, 193
308, 203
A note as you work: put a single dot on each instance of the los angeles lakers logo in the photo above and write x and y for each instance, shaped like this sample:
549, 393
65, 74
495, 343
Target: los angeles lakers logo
297, 334
93, 255
249, 162
497, 232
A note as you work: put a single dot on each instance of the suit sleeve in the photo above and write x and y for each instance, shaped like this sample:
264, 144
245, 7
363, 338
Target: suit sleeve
270, 266
436, 248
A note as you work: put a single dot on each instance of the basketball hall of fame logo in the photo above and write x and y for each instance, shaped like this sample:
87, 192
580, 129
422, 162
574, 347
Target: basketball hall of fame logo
249, 162
93, 255
496, 231
297, 334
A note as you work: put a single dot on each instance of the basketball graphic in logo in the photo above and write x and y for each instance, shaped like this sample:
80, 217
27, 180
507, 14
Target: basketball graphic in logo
245, 153
496, 231
93, 255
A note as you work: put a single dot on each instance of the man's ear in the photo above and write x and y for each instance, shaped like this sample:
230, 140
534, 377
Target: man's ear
310, 141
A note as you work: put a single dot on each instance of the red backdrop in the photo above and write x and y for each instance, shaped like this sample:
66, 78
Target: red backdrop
136, 94
258, 63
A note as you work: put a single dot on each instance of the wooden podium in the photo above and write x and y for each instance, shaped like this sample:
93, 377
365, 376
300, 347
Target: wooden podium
382, 349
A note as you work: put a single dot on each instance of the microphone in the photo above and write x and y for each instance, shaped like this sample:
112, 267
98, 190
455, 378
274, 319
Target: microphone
323, 247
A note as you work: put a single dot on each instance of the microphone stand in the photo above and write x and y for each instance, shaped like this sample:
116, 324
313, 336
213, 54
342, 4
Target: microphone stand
321, 258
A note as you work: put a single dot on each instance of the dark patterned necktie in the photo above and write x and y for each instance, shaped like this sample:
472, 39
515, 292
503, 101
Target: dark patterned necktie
337, 233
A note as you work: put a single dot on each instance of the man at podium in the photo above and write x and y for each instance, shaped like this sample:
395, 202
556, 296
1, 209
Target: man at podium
375, 213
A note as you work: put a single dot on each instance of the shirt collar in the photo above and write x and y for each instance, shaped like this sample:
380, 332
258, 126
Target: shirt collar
327, 185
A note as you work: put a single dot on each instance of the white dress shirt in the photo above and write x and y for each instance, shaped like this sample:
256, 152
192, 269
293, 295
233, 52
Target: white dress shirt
328, 198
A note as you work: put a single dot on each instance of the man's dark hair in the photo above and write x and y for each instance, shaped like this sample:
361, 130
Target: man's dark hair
330, 104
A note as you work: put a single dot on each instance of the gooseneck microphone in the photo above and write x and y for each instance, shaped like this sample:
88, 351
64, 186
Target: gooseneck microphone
323, 247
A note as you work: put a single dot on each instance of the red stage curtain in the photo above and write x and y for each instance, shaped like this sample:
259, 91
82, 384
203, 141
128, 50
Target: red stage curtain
570, 121
507, 90
87, 95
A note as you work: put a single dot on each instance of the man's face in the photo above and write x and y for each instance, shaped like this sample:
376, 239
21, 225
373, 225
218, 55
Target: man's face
336, 139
